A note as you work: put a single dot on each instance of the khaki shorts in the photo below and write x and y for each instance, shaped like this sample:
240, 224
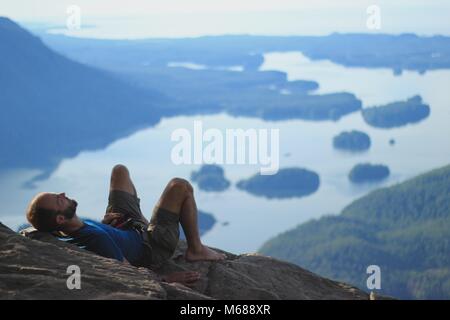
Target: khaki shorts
160, 236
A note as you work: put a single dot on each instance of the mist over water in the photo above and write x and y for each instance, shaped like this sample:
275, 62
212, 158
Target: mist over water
395, 19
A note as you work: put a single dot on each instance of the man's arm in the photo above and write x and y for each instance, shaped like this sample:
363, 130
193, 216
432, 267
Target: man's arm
112, 218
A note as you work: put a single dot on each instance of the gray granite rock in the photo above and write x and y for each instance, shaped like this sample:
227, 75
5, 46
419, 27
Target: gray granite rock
34, 267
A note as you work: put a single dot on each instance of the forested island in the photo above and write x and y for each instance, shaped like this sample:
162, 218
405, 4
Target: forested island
352, 141
366, 172
287, 183
397, 114
210, 177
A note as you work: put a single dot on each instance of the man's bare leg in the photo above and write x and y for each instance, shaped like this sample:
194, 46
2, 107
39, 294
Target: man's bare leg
121, 180
178, 197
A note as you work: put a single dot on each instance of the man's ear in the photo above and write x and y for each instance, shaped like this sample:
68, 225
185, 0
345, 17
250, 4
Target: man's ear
60, 219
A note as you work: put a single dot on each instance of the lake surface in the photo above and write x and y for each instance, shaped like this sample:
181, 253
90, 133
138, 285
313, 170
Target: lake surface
253, 220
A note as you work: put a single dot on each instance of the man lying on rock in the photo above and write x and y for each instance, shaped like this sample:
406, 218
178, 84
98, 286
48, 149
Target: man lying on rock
125, 234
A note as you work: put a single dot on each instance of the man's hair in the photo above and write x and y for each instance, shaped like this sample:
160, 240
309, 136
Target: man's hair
44, 219
41, 218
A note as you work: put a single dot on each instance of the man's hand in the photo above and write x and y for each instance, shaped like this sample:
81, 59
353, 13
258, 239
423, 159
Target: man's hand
112, 218
187, 278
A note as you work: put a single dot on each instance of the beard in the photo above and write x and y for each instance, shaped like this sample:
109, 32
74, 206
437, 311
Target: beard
69, 213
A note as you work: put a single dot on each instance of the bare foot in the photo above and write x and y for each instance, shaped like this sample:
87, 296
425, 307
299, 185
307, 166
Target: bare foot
187, 278
205, 254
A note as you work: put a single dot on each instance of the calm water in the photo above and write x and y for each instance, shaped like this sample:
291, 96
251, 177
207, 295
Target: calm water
253, 220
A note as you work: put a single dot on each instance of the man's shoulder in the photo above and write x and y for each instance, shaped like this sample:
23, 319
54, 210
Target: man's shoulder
95, 227
91, 227
94, 224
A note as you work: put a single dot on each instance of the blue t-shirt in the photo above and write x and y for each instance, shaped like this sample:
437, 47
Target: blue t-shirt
108, 241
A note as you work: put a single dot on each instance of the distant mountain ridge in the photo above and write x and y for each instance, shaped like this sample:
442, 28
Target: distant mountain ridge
404, 229
396, 52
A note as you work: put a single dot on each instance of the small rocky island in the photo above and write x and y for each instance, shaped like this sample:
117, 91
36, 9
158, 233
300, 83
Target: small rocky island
210, 177
366, 172
352, 141
287, 183
397, 114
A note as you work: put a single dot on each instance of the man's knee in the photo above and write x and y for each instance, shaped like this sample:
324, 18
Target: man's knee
174, 195
180, 186
120, 171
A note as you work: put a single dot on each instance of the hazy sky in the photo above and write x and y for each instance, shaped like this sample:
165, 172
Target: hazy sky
140, 18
